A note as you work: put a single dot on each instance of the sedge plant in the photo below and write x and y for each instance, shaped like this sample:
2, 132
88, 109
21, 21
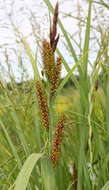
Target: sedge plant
49, 151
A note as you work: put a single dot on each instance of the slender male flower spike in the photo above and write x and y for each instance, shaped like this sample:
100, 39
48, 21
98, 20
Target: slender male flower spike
42, 105
57, 140
53, 29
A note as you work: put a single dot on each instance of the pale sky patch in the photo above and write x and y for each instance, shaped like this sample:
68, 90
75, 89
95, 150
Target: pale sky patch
19, 11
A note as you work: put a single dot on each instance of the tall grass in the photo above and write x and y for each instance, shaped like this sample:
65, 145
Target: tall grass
43, 149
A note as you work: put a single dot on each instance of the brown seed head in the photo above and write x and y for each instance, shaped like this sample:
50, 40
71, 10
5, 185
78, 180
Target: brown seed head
48, 59
57, 140
42, 105
56, 76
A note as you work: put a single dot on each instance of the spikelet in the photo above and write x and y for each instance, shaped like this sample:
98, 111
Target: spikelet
48, 59
42, 105
74, 178
57, 140
96, 85
1, 85
56, 76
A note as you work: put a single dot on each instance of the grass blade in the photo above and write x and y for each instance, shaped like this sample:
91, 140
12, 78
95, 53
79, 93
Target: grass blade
102, 3
66, 78
25, 173
67, 68
32, 58
106, 186
48, 175
11, 145
87, 40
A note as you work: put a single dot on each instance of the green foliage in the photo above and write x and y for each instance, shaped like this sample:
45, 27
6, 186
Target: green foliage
25, 173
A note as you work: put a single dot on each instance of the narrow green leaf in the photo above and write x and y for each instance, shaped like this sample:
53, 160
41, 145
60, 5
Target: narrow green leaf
32, 59
102, 3
87, 39
14, 151
73, 78
106, 186
69, 74
48, 175
25, 173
